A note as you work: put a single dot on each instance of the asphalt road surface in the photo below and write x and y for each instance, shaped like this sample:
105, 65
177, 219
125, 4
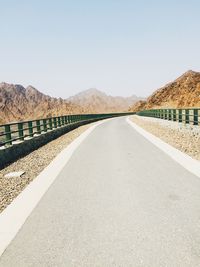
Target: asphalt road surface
119, 201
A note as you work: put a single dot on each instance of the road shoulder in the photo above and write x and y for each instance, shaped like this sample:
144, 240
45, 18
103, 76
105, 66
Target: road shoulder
190, 164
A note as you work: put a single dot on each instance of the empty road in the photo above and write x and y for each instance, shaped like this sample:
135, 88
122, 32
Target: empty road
119, 201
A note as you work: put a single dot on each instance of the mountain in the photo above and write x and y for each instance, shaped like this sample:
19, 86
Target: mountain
19, 103
95, 101
184, 92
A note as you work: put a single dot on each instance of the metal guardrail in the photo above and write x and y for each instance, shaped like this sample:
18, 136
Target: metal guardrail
13, 132
186, 115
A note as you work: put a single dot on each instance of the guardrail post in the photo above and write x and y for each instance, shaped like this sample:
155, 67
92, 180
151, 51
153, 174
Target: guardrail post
59, 122
65, 119
180, 119
20, 131
30, 128
50, 124
8, 134
54, 123
187, 116
170, 114
174, 114
195, 115
165, 114
44, 125
161, 113
38, 126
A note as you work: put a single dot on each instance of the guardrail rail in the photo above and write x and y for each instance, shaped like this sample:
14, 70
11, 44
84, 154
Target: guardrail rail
186, 115
19, 131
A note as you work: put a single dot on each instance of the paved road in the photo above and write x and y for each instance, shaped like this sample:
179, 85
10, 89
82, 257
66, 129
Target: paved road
119, 201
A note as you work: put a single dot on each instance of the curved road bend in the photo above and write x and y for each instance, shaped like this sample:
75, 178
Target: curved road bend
119, 201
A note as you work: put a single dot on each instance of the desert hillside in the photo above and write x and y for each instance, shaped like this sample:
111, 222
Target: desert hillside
19, 103
182, 93
95, 101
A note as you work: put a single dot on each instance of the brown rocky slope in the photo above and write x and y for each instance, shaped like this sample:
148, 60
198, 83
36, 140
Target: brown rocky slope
19, 103
182, 93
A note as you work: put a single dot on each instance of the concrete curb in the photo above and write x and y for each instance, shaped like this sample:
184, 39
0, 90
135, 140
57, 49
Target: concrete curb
190, 164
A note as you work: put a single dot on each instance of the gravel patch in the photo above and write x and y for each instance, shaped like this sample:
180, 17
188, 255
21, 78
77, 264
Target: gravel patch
186, 138
32, 165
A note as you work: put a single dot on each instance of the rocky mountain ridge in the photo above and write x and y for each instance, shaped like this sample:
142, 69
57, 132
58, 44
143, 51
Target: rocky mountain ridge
20, 103
184, 92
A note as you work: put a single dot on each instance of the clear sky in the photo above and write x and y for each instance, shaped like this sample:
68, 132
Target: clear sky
122, 47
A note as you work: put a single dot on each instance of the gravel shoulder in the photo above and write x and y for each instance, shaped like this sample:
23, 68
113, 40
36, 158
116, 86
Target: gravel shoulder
32, 165
186, 138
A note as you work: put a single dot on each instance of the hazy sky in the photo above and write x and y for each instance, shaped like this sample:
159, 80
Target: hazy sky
122, 47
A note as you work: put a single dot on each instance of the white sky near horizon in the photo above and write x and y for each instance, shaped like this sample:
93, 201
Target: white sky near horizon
120, 47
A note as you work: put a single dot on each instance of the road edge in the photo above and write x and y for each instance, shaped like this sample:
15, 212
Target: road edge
15, 215
190, 164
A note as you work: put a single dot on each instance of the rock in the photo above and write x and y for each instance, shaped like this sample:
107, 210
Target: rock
14, 174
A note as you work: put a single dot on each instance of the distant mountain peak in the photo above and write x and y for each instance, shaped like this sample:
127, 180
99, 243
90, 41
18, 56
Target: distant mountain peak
3, 84
91, 91
96, 101
32, 90
30, 87
9, 87
190, 72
